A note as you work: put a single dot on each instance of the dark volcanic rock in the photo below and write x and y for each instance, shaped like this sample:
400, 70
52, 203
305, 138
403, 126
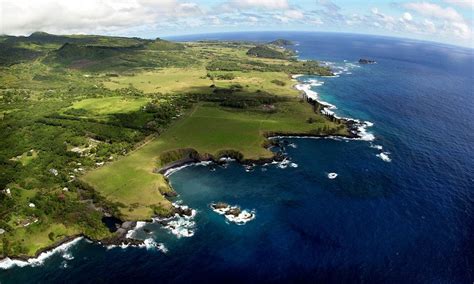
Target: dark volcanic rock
128, 225
234, 211
366, 61
186, 211
219, 205
171, 193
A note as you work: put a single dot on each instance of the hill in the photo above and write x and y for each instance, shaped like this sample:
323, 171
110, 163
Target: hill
281, 42
265, 51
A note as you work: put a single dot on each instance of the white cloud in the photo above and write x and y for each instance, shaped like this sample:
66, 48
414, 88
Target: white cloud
429, 26
450, 22
382, 20
253, 19
316, 22
435, 11
461, 30
407, 16
461, 3
264, 4
88, 16
282, 19
294, 14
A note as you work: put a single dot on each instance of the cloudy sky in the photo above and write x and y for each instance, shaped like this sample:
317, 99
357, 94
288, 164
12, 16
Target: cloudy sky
448, 21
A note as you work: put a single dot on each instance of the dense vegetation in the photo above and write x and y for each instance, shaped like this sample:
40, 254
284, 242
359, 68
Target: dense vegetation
281, 42
293, 67
71, 108
265, 51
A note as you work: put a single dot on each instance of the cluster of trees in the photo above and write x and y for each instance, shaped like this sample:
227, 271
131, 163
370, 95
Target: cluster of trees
265, 51
164, 112
223, 65
309, 67
226, 76
278, 82
15, 95
223, 76
234, 97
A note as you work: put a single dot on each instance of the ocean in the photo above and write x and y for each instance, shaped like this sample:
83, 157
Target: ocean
399, 210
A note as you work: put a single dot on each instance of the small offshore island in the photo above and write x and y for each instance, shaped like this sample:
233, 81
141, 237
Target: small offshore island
91, 124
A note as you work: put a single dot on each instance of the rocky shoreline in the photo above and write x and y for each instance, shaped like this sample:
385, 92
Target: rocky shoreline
121, 234
120, 238
25, 258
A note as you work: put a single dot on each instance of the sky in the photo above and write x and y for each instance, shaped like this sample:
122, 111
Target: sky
447, 21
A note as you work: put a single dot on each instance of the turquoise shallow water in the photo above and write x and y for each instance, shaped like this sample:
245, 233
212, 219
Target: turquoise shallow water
407, 220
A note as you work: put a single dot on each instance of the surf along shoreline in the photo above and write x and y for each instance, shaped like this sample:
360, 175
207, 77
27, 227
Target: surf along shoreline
356, 131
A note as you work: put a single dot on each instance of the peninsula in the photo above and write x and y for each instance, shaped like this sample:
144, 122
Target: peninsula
88, 123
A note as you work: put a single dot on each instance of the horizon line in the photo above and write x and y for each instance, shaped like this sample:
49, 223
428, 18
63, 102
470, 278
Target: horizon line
169, 37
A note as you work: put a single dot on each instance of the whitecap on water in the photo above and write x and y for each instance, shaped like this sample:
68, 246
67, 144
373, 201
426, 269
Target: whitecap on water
332, 175
68, 256
292, 145
284, 164
151, 244
384, 156
378, 147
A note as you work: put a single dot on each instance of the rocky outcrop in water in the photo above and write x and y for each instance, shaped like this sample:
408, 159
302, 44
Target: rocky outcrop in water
366, 61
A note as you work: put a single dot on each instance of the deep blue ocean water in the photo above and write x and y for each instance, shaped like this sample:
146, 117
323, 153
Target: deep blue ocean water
408, 220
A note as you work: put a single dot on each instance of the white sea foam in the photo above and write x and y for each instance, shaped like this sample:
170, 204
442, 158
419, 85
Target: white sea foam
226, 159
9, 263
292, 145
68, 256
284, 164
180, 226
378, 147
244, 217
364, 134
151, 244
124, 245
131, 232
171, 171
332, 175
384, 156
148, 244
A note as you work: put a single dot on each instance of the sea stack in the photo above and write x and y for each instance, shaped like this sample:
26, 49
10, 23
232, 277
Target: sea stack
366, 61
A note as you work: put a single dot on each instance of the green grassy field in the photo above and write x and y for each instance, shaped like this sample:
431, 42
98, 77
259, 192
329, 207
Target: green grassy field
207, 129
166, 81
109, 105
255, 80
